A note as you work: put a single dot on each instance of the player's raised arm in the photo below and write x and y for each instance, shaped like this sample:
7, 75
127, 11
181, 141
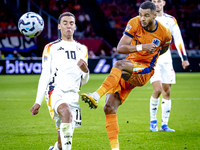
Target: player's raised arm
124, 46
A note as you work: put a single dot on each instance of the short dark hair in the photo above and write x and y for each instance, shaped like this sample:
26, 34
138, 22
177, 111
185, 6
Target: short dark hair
148, 5
65, 14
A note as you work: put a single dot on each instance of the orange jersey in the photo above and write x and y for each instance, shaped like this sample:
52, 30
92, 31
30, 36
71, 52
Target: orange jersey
161, 36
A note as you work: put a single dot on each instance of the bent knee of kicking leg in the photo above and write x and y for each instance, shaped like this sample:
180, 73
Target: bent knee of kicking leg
119, 64
109, 109
67, 115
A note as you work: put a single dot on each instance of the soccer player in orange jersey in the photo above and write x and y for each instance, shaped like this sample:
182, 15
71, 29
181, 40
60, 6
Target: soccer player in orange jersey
144, 40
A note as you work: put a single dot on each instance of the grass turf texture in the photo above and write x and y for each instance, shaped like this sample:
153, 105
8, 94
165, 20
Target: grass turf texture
20, 130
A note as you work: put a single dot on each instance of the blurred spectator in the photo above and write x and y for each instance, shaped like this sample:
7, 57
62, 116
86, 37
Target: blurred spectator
91, 55
115, 54
102, 53
11, 26
53, 9
3, 26
81, 24
88, 30
16, 55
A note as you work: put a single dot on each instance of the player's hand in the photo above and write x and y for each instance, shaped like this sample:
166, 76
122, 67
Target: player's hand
185, 64
35, 109
150, 47
83, 65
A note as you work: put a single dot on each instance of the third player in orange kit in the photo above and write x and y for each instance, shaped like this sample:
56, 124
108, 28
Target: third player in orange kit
144, 40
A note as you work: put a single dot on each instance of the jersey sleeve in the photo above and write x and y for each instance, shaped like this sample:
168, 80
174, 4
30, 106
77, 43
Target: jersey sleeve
85, 76
178, 40
85, 54
45, 75
167, 39
131, 27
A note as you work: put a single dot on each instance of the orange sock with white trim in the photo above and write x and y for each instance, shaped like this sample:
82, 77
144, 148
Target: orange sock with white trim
112, 130
112, 79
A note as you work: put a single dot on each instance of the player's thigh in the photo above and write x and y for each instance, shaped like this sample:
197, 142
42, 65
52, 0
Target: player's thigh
112, 103
157, 74
157, 86
168, 74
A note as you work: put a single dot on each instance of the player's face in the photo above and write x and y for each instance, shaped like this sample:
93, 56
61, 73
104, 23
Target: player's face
159, 5
67, 26
147, 17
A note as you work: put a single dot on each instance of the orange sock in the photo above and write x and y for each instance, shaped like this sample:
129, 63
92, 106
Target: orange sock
112, 130
110, 81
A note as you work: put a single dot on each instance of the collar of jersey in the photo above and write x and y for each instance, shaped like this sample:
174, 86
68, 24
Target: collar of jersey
155, 28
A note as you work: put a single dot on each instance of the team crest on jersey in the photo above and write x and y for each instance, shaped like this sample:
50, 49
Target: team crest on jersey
128, 27
45, 58
156, 42
78, 48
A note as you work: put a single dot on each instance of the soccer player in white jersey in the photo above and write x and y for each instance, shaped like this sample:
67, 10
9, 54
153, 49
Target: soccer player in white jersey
164, 74
65, 68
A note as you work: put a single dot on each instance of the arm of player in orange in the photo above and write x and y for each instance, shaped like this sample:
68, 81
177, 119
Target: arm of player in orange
124, 46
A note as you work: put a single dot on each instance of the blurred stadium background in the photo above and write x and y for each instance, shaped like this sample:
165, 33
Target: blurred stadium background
100, 25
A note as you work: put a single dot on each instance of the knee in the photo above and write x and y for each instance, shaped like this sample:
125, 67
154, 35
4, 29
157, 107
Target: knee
166, 94
108, 109
158, 90
66, 114
119, 64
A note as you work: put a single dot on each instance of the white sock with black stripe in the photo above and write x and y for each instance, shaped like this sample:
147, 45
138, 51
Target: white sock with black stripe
154, 103
66, 135
166, 108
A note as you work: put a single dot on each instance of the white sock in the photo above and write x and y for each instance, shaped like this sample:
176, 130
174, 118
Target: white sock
115, 149
96, 96
154, 103
56, 146
66, 135
166, 108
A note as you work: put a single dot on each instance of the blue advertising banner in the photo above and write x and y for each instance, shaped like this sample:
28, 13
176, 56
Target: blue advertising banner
95, 66
20, 66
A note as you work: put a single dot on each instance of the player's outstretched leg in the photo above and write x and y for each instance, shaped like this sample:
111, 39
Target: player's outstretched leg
111, 81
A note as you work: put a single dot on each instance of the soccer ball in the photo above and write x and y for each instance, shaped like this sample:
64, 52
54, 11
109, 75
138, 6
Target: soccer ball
31, 24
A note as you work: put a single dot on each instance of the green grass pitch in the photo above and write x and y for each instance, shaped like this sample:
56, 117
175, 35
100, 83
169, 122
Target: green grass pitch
19, 130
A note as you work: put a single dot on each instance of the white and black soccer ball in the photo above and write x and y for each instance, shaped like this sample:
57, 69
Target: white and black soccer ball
31, 24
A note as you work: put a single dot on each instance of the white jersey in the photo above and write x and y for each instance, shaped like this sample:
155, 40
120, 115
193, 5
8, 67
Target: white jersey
171, 23
60, 69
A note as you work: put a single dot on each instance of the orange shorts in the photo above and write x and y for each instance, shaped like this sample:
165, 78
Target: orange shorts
140, 76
